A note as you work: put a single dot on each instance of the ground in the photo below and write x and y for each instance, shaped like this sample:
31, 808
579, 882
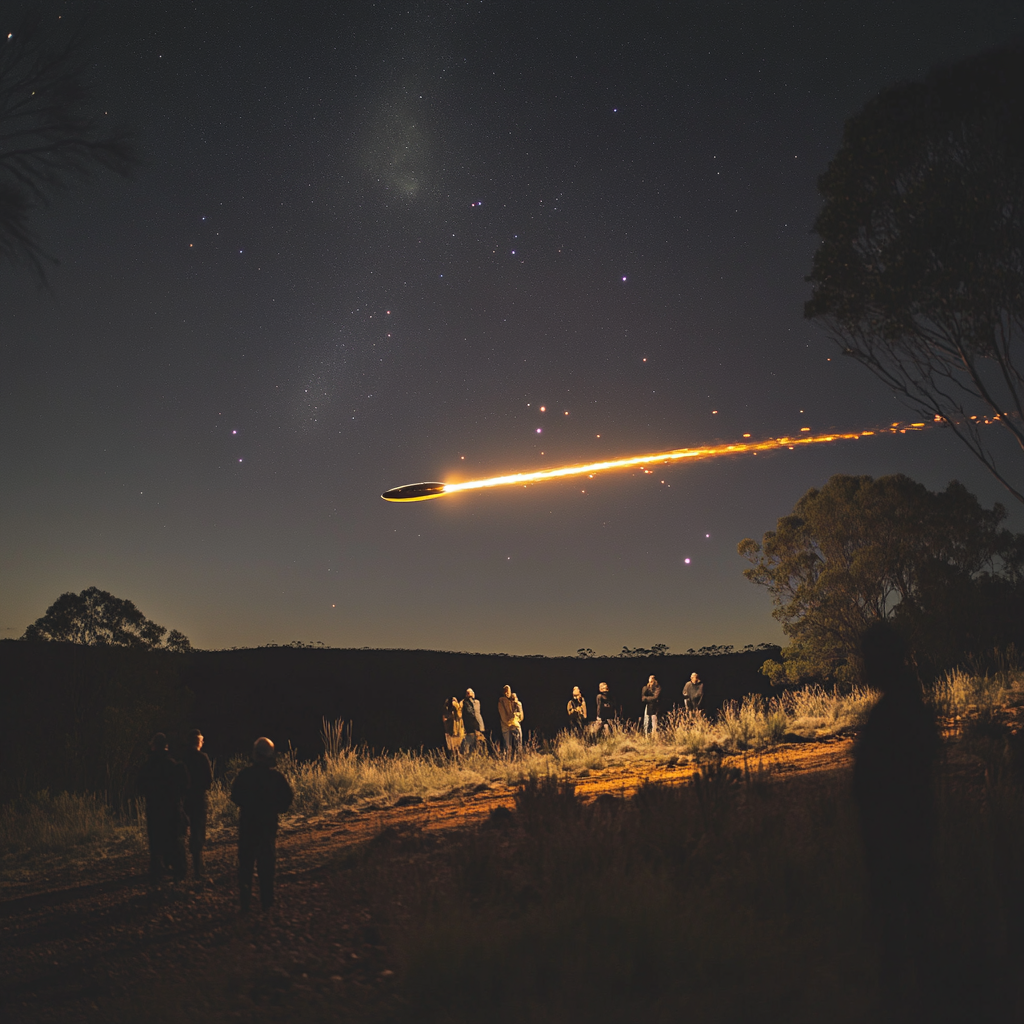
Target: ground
94, 943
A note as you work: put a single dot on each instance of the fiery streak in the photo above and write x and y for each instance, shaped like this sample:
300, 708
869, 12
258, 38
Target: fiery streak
660, 458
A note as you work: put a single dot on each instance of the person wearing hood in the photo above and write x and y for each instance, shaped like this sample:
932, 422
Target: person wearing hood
163, 783
261, 793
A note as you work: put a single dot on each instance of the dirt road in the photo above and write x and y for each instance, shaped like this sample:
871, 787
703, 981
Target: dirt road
92, 942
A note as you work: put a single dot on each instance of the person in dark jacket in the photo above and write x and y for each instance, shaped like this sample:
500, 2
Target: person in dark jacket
200, 776
473, 721
893, 785
693, 692
163, 783
262, 793
604, 709
651, 696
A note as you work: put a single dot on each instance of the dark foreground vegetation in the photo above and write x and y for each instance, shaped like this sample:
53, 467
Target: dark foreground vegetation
739, 895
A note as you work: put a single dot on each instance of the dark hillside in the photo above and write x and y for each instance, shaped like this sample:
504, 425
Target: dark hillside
78, 717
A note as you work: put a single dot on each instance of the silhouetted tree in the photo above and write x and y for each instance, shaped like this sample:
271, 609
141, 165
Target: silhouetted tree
96, 617
920, 271
50, 130
859, 551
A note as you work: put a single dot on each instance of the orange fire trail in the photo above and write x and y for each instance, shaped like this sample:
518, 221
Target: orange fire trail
414, 493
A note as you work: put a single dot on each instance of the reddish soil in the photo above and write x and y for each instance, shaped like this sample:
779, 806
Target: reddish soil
94, 943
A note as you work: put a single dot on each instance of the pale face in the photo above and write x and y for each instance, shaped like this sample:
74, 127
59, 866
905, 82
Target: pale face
507, 690
199, 742
694, 678
603, 687
470, 694
575, 691
652, 680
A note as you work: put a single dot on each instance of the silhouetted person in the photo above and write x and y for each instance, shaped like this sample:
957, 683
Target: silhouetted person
604, 709
473, 722
893, 786
163, 783
200, 776
262, 793
651, 697
576, 709
693, 692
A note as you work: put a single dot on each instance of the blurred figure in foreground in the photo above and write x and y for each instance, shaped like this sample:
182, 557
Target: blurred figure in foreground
473, 723
163, 783
454, 730
651, 697
517, 728
576, 709
262, 793
200, 779
893, 787
604, 710
693, 692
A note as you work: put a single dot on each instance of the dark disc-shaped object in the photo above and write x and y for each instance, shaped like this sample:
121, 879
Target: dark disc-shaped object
414, 492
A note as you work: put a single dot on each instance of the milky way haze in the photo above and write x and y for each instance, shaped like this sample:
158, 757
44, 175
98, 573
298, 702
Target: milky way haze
376, 243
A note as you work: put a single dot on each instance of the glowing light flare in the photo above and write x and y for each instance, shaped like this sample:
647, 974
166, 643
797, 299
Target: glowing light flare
420, 492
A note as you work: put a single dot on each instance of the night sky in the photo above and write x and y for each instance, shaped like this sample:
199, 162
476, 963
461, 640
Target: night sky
369, 241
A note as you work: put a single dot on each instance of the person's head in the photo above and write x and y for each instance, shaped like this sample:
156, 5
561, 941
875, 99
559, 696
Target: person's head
694, 678
195, 739
885, 658
515, 697
602, 687
158, 742
470, 694
576, 692
263, 751
652, 680
507, 690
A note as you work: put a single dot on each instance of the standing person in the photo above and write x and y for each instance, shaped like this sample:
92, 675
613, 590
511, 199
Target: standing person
693, 692
163, 782
576, 709
604, 710
200, 779
473, 722
893, 785
262, 793
651, 696
454, 730
517, 728
507, 714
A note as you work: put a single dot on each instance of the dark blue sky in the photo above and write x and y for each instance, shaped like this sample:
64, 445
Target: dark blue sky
369, 241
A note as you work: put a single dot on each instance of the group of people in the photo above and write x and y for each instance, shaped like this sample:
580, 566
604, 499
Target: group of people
463, 720
606, 712
176, 795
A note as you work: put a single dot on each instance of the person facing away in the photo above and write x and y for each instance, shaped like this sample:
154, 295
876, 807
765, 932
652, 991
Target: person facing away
651, 697
454, 730
893, 787
163, 783
576, 709
604, 709
472, 721
262, 793
200, 779
693, 692
510, 729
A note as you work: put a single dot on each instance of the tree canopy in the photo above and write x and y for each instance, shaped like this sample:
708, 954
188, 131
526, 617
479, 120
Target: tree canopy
920, 270
96, 617
51, 130
859, 550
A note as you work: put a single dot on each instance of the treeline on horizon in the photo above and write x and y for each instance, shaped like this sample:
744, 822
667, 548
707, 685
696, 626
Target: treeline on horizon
77, 717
